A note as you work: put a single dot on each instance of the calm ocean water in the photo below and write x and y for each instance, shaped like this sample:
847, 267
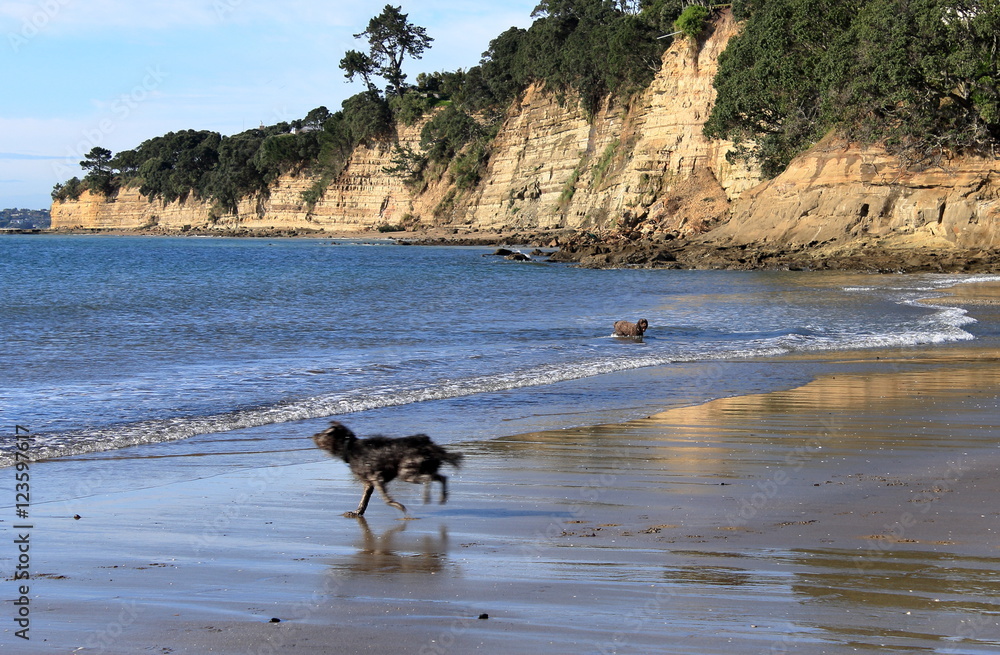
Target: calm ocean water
116, 341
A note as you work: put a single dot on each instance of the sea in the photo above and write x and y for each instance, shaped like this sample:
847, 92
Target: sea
115, 342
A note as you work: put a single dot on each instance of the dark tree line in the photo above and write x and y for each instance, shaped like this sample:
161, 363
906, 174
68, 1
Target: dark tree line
920, 76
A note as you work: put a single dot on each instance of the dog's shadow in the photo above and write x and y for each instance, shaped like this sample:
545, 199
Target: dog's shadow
394, 552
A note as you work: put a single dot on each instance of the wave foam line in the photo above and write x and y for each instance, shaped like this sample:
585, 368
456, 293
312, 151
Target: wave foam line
80, 442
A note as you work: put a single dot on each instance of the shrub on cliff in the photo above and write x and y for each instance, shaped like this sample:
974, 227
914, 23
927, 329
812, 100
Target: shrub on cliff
367, 118
69, 190
692, 21
171, 166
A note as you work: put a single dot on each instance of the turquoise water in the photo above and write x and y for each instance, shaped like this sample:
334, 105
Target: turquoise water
110, 342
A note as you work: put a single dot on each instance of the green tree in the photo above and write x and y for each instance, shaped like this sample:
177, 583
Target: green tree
316, 117
357, 64
445, 134
100, 174
391, 38
71, 190
367, 117
770, 82
236, 176
692, 21
923, 75
174, 165
586, 49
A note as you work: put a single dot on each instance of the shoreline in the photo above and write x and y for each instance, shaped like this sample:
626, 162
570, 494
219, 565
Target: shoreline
615, 249
856, 510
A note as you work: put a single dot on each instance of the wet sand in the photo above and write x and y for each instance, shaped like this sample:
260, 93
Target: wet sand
854, 513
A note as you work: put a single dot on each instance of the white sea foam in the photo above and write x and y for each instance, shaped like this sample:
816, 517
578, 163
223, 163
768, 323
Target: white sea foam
946, 322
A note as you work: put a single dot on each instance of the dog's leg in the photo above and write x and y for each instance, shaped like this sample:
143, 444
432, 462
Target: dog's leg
444, 486
363, 505
387, 498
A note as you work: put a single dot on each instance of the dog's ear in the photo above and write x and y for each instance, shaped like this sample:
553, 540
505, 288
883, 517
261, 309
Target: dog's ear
341, 430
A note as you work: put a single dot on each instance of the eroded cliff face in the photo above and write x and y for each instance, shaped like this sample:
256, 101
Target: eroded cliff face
648, 163
550, 167
840, 196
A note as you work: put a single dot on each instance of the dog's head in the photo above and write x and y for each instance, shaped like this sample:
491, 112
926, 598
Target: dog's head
642, 325
334, 439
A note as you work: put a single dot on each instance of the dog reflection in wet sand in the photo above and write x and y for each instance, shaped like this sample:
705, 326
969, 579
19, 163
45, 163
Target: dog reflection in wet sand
627, 329
391, 551
377, 461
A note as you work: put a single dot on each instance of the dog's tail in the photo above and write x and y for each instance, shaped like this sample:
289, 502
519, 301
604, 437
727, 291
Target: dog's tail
455, 459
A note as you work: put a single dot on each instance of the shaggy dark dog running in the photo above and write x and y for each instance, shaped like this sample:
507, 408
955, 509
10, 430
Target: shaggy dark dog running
377, 461
626, 329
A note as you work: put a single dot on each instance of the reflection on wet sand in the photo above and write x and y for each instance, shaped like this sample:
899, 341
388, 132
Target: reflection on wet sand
898, 599
855, 512
390, 551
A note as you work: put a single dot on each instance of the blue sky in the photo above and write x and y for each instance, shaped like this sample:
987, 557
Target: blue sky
110, 73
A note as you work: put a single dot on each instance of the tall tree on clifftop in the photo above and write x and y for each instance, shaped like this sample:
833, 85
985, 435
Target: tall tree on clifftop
100, 173
391, 38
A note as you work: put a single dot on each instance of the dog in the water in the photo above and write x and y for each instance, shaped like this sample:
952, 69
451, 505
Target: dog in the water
377, 461
626, 329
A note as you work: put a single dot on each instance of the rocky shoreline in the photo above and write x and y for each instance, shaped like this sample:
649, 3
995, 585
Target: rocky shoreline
862, 257
591, 250
617, 250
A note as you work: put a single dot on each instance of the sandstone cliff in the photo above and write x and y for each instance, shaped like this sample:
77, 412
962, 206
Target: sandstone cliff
639, 172
361, 199
650, 162
550, 167
841, 196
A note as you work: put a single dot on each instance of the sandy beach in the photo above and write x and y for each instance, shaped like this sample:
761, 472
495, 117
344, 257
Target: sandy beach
854, 513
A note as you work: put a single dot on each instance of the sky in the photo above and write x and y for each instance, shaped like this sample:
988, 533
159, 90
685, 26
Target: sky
76, 74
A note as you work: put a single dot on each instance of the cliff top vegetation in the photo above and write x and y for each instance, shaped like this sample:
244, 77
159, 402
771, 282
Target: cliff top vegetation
920, 76
582, 49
